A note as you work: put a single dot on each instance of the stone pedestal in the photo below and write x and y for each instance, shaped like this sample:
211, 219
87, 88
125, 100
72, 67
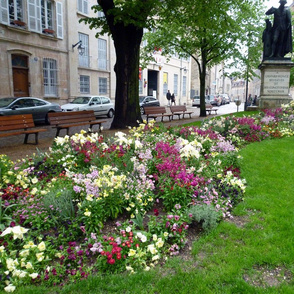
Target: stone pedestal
275, 77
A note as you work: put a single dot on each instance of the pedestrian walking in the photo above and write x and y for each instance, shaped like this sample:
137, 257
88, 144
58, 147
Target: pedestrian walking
168, 97
173, 99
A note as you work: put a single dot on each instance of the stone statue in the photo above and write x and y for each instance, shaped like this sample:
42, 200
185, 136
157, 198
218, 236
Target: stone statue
267, 39
281, 30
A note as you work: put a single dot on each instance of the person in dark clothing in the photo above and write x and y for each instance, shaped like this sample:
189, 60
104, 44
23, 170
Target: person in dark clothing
173, 99
168, 97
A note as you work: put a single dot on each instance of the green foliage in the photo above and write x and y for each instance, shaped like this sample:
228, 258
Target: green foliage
59, 205
204, 214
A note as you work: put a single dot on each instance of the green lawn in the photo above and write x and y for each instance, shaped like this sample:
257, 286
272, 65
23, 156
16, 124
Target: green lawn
253, 253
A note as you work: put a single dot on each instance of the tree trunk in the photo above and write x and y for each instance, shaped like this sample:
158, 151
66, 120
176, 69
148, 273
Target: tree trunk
127, 40
202, 82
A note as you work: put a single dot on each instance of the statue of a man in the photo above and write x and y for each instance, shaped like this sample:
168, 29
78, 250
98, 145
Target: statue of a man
282, 30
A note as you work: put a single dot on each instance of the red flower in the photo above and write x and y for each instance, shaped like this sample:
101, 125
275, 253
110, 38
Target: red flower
111, 261
156, 212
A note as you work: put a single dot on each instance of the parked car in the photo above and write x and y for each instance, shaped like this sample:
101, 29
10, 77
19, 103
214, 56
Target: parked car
196, 101
210, 99
216, 100
147, 101
225, 98
39, 108
100, 104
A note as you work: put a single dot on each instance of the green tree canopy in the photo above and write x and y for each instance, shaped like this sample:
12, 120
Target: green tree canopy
209, 32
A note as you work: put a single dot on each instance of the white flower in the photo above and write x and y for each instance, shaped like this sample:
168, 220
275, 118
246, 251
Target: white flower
29, 265
152, 249
17, 231
87, 212
159, 243
42, 246
34, 275
34, 180
40, 256
9, 288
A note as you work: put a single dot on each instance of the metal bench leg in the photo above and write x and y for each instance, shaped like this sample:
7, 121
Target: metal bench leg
26, 139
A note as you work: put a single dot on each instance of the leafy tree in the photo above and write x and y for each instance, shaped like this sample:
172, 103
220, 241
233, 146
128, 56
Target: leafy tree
209, 32
125, 20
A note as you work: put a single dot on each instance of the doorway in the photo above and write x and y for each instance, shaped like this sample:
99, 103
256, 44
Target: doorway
152, 83
20, 73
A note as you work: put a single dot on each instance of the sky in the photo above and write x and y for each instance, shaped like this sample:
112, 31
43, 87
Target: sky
275, 3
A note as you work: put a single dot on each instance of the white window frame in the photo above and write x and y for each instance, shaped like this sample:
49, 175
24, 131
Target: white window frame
84, 60
176, 81
50, 77
16, 9
34, 15
184, 90
102, 54
48, 17
83, 6
59, 20
102, 82
84, 84
4, 12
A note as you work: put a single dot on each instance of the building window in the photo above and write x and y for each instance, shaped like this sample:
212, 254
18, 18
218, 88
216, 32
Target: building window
15, 10
83, 6
184, 91
176, 78
102, 54
103, 86
46, 15
165, 83
50, 77
84, 59
85, 84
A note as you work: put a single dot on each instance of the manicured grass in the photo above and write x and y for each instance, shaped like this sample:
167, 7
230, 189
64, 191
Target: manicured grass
240, 255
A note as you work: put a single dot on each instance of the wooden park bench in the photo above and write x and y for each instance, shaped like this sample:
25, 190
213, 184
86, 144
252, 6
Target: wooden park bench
156, 111
180, 110
20, 124
68, 119
209, 108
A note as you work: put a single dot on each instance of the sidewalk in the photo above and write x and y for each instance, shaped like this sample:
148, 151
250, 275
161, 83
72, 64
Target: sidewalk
15, 149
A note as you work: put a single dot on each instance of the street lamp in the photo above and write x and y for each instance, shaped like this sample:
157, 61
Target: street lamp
81, 48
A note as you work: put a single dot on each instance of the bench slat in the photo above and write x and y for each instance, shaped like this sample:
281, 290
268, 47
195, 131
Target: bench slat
24, 123
66, 120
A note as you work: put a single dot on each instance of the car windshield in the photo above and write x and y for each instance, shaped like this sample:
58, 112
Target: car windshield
141, 98
81, 100
6, 101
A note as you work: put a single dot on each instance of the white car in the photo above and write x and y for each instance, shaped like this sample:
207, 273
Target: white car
100, 104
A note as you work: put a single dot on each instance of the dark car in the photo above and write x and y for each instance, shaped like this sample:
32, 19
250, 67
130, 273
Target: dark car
39, 108
147, 101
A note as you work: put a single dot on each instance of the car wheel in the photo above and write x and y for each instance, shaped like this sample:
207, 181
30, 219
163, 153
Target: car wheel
110, 113
142, 110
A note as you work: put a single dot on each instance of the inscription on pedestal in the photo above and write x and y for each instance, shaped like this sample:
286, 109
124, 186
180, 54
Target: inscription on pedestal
276, 83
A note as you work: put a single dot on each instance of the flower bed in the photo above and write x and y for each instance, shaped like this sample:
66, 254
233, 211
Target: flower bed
159, 181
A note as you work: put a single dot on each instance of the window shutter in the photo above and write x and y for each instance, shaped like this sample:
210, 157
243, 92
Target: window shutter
4, 11
59, 20
34, 15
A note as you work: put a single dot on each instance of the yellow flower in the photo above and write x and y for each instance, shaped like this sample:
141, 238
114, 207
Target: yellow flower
132, 252
42, 246
40, 256
87, 212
